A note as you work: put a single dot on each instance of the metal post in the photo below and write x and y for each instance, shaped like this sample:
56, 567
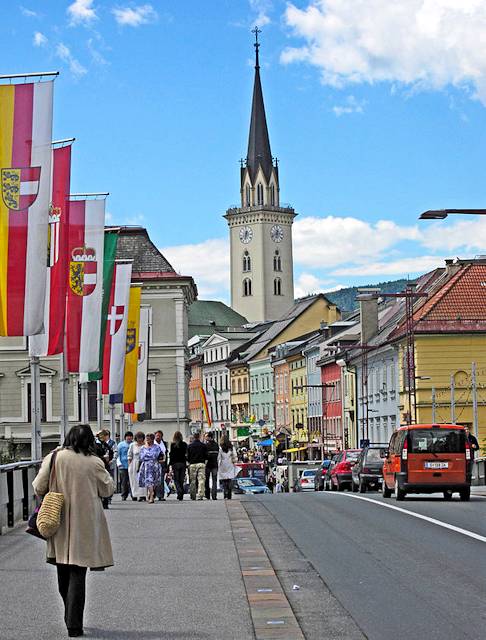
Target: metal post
433, 405
112, 419
122, 426
83, 388
453, 401
63, 381
99, 405
474, 398
35, 409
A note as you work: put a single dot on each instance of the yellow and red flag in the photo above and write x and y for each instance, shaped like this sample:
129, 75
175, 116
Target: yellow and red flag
205, 406
131, 351
25, 179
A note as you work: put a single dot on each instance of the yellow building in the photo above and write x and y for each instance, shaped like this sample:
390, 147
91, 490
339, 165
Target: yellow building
298, 398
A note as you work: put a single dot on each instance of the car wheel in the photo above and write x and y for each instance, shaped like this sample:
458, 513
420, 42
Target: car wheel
448, 495
465, 494
362, 487
386, 492
399, 493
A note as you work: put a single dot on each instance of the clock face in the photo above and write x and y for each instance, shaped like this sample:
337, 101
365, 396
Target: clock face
276, 233
246, 234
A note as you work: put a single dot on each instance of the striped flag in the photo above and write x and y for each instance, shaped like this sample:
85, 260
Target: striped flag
205, 406
25, 175
85, 284
116, 333
131, 354
142, 366
51, 341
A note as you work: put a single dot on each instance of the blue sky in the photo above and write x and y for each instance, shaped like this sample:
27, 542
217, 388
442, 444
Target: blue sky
376, 111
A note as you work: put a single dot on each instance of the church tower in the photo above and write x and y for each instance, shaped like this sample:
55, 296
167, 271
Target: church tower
262, 279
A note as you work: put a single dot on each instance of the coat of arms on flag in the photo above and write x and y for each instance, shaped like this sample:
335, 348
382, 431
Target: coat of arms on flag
131, 336
115, 318
141, 352
53, 235
20, 187
82, 271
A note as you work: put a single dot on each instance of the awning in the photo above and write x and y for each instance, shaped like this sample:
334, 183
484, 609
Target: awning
294, 449
265, 443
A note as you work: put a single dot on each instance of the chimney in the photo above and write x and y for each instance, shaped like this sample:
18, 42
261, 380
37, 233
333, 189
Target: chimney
368, 311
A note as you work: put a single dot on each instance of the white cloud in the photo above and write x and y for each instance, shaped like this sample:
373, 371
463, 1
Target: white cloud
39, 39
424, 44
207, 262
96, 55
351, 105
28, 13
64, 52
135, 16
262, 9
468, 234
82, 11
308, 283
400, 267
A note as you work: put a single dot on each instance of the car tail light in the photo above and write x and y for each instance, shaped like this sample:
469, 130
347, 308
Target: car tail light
468, 450
324, 472
345, 466
405, 450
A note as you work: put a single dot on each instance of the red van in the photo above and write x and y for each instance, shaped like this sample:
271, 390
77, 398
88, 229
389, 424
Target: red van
428, 458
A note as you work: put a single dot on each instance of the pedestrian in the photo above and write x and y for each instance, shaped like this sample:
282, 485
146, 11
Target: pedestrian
226, 467
104, 452
178, 460
159, 439
473, 443
122, 464
271, 481
211, 467
82, 540
149, 473
197, 454
138, 492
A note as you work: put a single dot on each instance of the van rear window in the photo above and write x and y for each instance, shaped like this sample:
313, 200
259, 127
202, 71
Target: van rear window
437, 441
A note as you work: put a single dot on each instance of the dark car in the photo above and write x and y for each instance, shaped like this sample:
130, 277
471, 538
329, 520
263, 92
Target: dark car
249, 485
327, 475
320, 475
367, 473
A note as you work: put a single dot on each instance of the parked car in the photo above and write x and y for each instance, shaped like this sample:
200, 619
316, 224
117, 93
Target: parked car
249, 485
320, 475
340, 471
428, 458
327, 476
306, 480
367, 473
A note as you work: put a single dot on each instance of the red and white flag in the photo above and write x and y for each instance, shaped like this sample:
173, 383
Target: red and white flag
143, 357
116, 333
51, 342
85, 284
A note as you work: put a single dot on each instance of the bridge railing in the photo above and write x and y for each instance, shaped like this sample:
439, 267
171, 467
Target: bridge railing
17, 498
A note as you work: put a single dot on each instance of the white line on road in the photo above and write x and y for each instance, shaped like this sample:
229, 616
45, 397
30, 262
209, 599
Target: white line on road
445, 525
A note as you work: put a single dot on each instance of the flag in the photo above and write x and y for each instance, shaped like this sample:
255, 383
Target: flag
85, 284
110, 245
116, 333
205, 406
25, 175
142, 365
51, 341
131, 351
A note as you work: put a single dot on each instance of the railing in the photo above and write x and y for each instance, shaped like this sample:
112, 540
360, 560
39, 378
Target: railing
478, 477
17, 498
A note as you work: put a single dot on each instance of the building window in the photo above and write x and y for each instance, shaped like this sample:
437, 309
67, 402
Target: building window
272, 194
277, 261
239, 385
259, 193
247, 287
277, 287
248, 195
43, 402
245, 385
246, 261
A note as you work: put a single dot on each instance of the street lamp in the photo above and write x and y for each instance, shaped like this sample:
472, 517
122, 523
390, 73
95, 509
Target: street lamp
441, 214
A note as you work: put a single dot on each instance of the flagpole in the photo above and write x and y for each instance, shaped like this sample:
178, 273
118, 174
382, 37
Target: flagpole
63, 380
36, 437
84, 402
112, 419
122, 424
99, 405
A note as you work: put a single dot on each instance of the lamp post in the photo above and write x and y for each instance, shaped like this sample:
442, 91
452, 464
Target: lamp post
441, 214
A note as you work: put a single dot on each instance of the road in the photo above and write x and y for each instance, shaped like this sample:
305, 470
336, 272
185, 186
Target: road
398, 575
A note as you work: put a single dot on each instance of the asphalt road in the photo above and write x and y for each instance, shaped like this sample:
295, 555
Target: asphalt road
398, 576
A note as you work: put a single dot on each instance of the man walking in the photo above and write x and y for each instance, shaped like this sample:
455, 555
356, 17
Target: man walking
212, 467
160, 488
473, 443
197, 454
122, 464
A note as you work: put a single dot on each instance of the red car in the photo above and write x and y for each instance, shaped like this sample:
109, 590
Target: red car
340, 475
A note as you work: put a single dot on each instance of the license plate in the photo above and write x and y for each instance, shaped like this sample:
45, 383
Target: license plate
436, 465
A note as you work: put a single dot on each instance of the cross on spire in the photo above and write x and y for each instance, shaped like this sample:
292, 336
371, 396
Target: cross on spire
256, 31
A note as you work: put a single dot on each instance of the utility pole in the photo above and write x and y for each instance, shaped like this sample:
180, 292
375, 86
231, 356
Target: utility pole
433, 405
474, 398
453, 400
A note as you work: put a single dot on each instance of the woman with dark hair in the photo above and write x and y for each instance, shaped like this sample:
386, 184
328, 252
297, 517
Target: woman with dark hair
226, 466
150, 475
83, 540
178, 458
138, 492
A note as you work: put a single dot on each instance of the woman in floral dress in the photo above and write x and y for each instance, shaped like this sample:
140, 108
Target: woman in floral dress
149, 475
138, 493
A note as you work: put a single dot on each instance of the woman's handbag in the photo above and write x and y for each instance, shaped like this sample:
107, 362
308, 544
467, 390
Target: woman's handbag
32, 528
49, 515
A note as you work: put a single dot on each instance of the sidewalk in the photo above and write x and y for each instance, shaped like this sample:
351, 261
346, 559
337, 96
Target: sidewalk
478, 491
176, 576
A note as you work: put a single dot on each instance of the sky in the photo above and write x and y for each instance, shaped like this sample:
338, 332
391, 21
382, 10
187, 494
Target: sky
376, 111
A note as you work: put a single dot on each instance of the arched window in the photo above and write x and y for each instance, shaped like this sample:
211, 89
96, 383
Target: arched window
277, 287
247, 287
248, 195
272, 194
277, 261
259, 193
239, 385
246, 261
233, 389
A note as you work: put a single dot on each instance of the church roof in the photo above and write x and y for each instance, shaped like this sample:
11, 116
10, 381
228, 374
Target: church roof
259, 153
134, 244
211, 316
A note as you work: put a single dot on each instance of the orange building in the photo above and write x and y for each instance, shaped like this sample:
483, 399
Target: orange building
195, 383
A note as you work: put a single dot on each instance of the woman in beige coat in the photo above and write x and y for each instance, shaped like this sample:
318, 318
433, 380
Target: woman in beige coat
83, 539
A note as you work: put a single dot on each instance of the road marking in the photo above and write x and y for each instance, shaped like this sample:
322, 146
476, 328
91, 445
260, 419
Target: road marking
440, 523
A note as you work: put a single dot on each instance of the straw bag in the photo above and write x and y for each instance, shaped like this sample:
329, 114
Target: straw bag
49, 516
